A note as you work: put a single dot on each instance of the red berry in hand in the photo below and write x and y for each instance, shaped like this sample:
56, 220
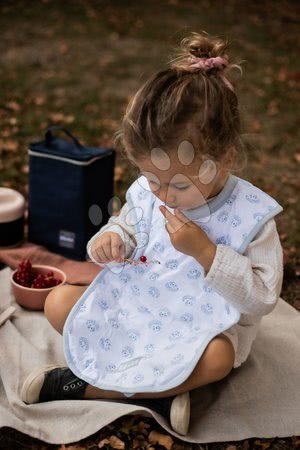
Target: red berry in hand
143, 259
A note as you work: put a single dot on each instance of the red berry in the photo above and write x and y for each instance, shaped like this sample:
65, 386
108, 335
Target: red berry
143, 259
29, 277
25, 265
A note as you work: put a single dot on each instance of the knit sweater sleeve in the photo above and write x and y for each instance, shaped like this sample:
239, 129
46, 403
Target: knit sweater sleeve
117, 224
251, 282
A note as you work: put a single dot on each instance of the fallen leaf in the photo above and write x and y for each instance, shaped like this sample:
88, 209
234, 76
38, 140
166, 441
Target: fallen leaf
127, 426
285, 75
255, 125
115, 442
93, 109
7, 184
286, 257
13, 106
267, 80
273, 108
63, 48
91, 14
136, 443
6, 132
25, 169
39, 100
11, 145
161, 439
297, 157
139, 23
258, 91
111, 123
60, 117
103, 442
283, 236
142, 427
264, 445
296, 442
114, 36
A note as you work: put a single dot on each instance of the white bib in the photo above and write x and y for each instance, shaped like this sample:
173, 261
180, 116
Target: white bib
144, 328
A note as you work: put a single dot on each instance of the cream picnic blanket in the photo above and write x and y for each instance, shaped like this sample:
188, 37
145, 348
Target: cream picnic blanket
261, 398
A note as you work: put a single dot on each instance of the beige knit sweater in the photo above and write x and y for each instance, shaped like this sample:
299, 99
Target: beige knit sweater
251, 282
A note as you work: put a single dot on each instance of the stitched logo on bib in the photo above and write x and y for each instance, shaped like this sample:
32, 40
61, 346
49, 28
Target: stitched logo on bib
128, 364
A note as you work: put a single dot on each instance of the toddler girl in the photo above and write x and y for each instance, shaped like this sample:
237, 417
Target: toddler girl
192, 263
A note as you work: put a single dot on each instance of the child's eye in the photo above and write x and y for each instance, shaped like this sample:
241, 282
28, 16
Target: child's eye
155, 186
182, 188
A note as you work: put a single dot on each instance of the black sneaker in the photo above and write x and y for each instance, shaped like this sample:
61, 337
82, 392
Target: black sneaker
175, 409
59, 383
52, 383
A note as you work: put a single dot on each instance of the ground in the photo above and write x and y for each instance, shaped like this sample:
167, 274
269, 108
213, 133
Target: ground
77, 63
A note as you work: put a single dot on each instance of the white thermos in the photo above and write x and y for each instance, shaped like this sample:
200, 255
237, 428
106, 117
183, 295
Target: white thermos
12, 209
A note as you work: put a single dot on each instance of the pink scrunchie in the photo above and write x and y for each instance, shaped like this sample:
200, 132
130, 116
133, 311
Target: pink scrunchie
211, 63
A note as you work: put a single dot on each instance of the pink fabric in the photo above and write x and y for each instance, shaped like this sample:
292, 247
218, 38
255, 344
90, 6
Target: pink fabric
211, 63
78, 272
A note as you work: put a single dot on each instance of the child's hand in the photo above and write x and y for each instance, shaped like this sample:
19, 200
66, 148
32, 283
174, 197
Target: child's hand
188, 238
108, 247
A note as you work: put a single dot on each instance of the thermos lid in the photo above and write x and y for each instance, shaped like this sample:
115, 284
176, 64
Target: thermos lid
12, 205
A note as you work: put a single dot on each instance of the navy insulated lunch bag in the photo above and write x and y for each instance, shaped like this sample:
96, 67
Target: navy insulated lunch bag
70, 188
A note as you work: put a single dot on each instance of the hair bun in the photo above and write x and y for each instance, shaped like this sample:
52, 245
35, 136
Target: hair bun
196, 46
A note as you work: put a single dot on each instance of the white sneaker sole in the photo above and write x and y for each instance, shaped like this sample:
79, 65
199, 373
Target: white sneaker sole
31, 388
180, 413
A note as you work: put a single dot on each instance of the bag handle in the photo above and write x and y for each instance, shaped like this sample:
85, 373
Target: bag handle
49, 136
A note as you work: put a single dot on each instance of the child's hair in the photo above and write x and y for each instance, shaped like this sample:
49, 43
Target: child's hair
191, 100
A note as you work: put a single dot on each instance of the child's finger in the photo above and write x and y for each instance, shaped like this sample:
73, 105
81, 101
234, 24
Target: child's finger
106, 252
181, 216
171, 225
165, 211
98, 255
115, 244
106, 248
122, 250
172, 220
103, 249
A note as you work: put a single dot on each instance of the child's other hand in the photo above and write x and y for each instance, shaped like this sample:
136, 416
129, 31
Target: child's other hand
108, 247
185, 235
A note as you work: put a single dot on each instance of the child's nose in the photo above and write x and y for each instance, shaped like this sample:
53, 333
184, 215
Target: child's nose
167, 197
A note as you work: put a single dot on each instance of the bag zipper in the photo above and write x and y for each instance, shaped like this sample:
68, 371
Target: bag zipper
70, 161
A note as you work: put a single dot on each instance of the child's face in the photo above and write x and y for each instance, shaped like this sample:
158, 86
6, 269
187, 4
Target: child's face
183, 186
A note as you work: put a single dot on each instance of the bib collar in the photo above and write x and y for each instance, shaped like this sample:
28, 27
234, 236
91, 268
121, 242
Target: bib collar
214, 203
